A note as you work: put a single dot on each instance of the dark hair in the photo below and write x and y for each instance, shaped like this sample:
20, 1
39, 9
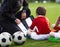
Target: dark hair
23, 11
41, 11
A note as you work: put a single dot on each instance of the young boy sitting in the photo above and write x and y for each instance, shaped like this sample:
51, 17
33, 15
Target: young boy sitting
25, 21
56, 27
40, 25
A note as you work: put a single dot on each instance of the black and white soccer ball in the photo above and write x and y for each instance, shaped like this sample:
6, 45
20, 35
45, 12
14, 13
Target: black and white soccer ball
5, 39
6, 33
19, 38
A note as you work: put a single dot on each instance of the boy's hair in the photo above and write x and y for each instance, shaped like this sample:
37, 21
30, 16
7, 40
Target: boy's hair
24, 11
41, 11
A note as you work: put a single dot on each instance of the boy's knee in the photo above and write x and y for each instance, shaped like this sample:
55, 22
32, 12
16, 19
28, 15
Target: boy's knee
52, 33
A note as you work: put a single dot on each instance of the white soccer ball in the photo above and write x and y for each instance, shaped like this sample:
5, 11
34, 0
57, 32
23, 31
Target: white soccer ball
5, 40
19, 38
6, 33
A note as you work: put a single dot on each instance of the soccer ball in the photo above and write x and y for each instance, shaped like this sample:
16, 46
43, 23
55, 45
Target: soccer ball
6, 33
19, 38
5, 40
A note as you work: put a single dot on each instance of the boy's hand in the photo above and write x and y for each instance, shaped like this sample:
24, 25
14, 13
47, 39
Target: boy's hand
17, 21
58, 21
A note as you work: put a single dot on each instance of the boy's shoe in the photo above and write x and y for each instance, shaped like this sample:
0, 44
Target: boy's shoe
27, 36
53, 39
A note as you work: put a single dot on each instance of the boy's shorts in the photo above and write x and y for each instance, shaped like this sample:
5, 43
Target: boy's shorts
39, 37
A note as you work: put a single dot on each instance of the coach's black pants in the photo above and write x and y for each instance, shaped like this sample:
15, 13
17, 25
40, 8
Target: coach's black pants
8, 27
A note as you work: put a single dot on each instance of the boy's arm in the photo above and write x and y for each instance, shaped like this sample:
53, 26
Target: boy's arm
57, 27
58, 21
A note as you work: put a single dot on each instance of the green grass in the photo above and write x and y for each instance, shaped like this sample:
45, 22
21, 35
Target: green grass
53, 11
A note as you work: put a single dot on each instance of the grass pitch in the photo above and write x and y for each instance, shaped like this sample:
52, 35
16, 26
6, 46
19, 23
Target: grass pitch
53, 11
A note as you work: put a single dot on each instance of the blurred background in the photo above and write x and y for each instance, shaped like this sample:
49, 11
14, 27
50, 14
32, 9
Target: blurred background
57, 1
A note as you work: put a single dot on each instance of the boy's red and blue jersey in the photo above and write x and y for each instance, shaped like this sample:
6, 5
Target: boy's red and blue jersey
42, 24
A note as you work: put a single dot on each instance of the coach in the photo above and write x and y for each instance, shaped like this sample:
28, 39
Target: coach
8, 10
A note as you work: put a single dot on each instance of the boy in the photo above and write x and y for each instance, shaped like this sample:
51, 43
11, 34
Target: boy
56, 27
22, 15
25, 22
41, 25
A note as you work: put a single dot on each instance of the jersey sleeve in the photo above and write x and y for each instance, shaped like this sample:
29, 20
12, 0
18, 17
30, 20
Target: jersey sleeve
57, 27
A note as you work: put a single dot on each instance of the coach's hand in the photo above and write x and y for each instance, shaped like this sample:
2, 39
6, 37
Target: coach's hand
17, 21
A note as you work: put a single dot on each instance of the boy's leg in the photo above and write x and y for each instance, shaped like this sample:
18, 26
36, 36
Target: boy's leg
55, 34
34, 36
39, 37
